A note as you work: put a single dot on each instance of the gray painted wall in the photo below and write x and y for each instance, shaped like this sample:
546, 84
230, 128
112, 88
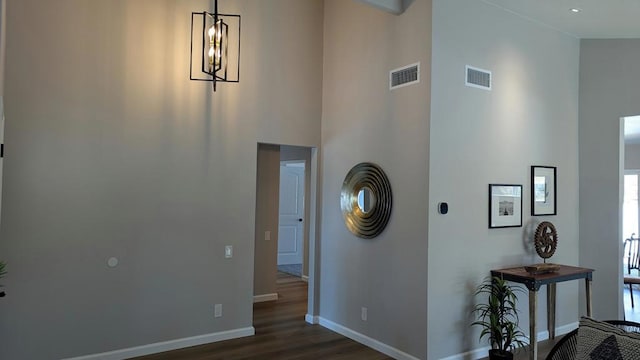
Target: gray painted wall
105, 157
609, 88
481, 137
267, 218
112, 152
3, 42
364, 121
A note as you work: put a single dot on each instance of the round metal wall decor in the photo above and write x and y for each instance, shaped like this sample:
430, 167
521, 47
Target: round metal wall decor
546, 239
365, 200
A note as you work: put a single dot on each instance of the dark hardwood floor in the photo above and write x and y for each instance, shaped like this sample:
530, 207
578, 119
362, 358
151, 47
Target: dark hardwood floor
632, 313
281, 334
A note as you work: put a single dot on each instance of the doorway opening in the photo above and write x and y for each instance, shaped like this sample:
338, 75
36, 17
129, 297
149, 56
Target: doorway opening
630, 204
630, 210
285, 232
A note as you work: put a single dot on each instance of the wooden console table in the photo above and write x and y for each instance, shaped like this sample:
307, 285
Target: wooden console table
533, 282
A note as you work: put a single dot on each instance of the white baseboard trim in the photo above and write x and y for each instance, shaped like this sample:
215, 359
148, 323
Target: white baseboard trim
169, 345
265, 297
470, 355
484, 352
367, 341
313, 320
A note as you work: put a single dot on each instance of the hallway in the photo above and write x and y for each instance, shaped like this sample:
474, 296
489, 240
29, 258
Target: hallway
632, 313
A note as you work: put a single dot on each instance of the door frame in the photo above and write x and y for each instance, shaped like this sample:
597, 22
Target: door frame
313, 228
315, 209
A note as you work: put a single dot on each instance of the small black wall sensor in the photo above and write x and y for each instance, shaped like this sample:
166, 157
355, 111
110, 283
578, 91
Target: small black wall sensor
443, 208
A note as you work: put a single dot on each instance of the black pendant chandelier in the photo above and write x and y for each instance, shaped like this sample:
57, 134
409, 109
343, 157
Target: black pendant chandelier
215, 47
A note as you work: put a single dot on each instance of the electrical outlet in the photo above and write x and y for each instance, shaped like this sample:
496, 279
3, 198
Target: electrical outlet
217, 310
267, 235
228, 251
363, 313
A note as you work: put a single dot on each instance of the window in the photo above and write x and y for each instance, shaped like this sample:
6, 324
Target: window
630, 206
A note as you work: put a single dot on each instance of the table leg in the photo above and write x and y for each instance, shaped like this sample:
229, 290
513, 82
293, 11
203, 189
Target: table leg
551, 310
588, 293
533, 341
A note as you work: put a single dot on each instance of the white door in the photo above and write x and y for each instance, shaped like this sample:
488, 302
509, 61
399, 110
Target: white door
290, 230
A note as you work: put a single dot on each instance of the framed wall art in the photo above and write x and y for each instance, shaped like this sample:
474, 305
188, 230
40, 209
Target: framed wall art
543, 190
505, 205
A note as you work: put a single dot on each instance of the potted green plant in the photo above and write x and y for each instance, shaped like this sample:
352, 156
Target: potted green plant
498, 317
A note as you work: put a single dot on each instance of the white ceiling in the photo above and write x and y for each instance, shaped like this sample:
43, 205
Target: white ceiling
597, 19
393, 6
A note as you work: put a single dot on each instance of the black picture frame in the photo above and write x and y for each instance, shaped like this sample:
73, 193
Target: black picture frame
544, 194
505, 205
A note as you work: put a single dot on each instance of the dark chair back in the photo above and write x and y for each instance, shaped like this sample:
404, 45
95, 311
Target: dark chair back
566, 348
632, 253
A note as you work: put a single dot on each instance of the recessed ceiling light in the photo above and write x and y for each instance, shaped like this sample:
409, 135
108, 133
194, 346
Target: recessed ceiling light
574, 10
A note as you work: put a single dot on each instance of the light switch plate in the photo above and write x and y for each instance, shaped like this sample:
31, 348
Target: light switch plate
228, 251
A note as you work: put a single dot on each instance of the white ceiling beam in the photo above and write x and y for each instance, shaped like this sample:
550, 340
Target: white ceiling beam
393, 6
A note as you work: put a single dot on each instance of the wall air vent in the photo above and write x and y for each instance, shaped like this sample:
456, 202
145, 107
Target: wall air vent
478, 78
404, 76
